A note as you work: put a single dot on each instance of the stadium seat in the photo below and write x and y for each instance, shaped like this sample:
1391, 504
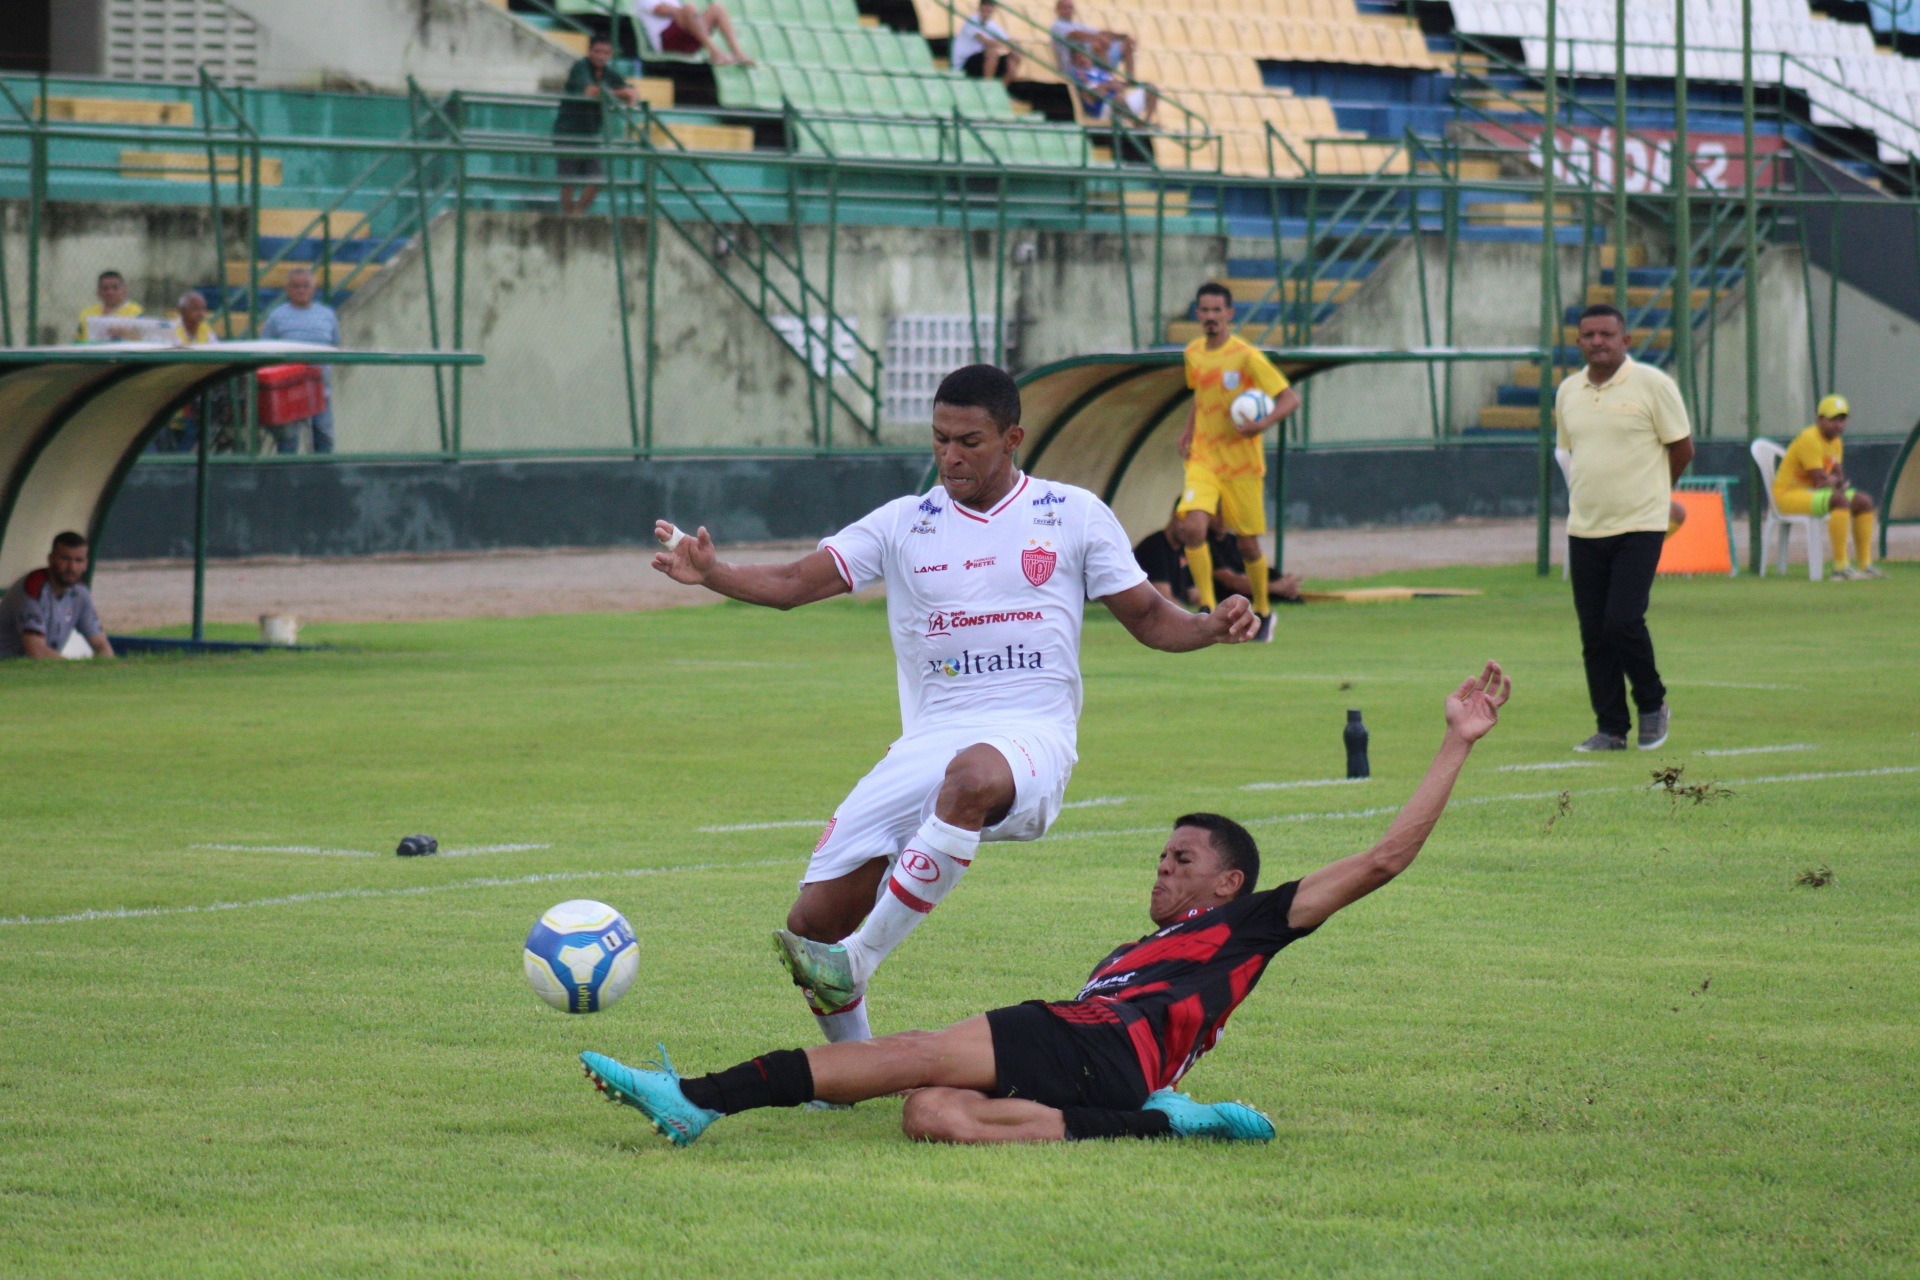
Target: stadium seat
1777, 528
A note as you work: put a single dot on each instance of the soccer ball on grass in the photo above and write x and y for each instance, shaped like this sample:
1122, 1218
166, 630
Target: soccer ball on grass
581, 956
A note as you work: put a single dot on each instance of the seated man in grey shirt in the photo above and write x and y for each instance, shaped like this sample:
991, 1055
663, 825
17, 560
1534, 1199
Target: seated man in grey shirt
43, 609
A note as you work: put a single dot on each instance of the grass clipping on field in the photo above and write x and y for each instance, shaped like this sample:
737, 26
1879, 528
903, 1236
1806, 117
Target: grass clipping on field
1668, 778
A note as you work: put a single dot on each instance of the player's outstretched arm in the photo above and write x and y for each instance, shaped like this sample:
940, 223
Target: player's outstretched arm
1472, 710
1159, 623
692, 560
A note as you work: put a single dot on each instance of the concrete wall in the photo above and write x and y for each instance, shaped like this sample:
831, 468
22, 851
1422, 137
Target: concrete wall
444, 44
1496, 291
1877, 352
163, 250
348, 508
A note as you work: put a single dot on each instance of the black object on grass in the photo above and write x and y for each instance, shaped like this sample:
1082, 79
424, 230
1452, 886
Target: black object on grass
417, 846
1355, 736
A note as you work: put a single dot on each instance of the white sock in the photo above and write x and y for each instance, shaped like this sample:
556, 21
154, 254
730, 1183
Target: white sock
924, 873
848, 1024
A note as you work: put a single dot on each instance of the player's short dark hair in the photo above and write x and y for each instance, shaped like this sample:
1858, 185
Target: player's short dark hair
68, 541
600, 39
1231, 841
108, 275
982, 386
1604, 309
1215, 288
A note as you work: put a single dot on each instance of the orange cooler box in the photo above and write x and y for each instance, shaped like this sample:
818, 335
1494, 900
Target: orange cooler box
290, 393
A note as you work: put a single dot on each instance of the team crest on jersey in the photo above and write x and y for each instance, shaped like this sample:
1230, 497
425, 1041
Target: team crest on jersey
826, 833
1037, 563
1230, 379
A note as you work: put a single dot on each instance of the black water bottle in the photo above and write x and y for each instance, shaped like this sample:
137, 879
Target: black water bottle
1356, 740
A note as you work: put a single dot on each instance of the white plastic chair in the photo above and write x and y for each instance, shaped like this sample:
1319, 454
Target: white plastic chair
1767, 456
1565, 458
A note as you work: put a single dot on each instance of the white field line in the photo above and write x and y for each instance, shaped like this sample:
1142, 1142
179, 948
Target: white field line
1305, 782
1549, 764
551, 877
364, 853
1097, 802
1731, 684
331, 895
1757, 751
762, 826
1382, 810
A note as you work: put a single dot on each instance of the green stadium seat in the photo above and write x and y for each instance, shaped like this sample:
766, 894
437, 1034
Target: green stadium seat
865, 53
941, 91
886, 95
856, 92
805, 47
912, 93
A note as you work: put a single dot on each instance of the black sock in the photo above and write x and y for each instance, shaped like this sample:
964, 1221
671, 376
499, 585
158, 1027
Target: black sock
1098, 1122
783, 1078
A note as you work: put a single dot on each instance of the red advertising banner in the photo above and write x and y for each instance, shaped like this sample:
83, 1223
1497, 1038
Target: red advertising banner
1583, 155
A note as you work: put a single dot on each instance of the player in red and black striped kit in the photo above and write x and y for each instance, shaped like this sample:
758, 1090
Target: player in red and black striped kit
1102, 1065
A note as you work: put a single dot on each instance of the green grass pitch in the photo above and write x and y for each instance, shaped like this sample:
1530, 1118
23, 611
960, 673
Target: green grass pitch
1594, 1031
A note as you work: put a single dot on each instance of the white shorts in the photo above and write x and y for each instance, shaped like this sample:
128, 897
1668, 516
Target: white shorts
887, 806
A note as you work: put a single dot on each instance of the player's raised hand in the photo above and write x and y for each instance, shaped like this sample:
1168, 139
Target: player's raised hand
685, 559
1234, 622
1474, 708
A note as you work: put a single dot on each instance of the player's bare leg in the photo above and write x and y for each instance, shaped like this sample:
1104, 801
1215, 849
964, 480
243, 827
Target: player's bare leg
1193, 536
977, 792
941, 1114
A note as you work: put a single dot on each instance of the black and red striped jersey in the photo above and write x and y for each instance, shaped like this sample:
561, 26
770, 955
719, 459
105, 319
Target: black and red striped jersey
1173, 990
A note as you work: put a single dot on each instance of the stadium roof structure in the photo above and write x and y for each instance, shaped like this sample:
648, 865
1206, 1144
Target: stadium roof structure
74, 419
1110, 422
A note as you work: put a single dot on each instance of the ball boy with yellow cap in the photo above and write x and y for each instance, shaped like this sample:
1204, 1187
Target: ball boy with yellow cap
1226, 465
1811, 483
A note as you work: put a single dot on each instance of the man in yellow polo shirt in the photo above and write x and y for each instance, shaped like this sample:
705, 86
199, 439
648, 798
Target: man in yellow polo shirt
1811, 483
1626, 426
111, 289
1226, 465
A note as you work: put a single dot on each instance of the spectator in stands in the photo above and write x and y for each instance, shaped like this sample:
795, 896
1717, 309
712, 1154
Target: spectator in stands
42, 610
1626, 427
1099, 88
672, 27
579, 121
1110, 49
1810, 482
1163, 557
190, 329
301, 319
111, 289
982, 48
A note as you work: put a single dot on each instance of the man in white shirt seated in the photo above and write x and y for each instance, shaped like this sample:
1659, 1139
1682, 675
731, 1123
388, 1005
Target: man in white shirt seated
1109, 48
672, 27
982, 49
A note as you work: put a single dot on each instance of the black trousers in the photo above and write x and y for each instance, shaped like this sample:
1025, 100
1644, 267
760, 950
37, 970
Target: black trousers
1612, 579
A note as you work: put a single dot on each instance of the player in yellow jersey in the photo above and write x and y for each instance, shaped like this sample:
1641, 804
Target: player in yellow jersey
1226, 465
1811, 483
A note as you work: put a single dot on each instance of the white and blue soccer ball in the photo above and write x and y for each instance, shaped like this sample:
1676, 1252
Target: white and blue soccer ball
1250, 406
581, 956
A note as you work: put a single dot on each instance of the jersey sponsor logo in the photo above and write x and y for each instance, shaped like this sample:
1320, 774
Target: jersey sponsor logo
978, 564
1037, 563
932, 568
930, 508
1050, 499
1050, 520
942, 622
826, 834
921, 526
1014, 657
920, 866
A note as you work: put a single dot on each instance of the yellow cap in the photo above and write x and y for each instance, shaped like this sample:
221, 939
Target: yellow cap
1832, 407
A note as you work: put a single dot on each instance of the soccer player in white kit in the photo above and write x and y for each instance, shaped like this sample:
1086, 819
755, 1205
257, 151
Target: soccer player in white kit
987, 576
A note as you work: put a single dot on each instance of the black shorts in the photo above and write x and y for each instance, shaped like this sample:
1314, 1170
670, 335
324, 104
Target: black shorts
975, 66
577, 166
1045, 1059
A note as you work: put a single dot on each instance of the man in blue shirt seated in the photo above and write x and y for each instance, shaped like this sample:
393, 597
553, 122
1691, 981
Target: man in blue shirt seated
1099, 88
301, 319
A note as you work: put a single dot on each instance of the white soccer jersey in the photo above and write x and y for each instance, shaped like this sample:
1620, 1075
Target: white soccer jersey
985, 608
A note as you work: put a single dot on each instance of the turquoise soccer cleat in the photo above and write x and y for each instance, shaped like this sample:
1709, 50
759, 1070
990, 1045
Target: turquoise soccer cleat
655, 1094
821, 967
1230, 1121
